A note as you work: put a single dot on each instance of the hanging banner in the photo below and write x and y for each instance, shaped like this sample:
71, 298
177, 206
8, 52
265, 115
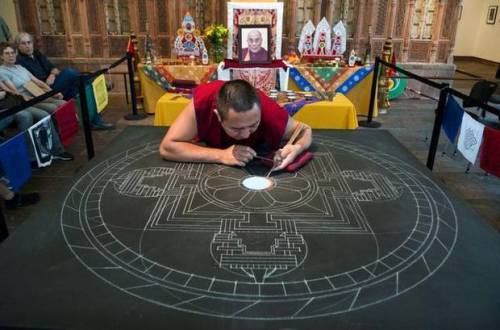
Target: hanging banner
453, 114
489, 160
15, 162
100, 93
471, 135
67, 122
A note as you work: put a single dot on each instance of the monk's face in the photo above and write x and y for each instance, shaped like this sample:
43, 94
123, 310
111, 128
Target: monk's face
254, 40
240, 125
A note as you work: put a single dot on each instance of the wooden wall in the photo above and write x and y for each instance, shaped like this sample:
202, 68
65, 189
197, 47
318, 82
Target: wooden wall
81, 31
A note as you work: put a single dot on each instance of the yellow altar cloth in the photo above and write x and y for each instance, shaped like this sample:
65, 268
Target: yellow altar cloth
151, 92
359, 95
339, 113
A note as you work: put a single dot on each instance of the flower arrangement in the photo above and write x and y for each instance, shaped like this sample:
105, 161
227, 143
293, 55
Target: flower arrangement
216, 35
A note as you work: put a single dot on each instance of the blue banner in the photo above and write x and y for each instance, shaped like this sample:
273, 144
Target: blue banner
14, 161
300, 81
353, 80
452, 119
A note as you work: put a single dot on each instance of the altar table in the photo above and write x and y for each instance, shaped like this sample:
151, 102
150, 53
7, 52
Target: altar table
339, 113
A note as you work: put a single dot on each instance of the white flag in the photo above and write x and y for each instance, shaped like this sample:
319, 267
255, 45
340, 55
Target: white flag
471, 135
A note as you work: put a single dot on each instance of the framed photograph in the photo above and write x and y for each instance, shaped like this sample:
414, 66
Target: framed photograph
254, 44
491, 17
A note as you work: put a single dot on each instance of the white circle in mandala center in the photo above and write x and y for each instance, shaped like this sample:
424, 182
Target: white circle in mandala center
257, 183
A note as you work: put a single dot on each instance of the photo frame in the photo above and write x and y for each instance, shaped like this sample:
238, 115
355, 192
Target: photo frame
491, 16
254, 44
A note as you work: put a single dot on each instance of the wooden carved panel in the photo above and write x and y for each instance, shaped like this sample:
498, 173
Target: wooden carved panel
91, 14
96, 46
117, 45
74, 12
382, 10
161, 9
78, 50
443, 49
377, 45
449, 21
28, 16
141, 45
143, 16
419, 51
55, 46
400, 17
164, 46
397, 46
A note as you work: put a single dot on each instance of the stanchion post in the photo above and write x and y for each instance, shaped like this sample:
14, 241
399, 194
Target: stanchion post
4, 231
134, 115
85, 117
437, 127
373, 94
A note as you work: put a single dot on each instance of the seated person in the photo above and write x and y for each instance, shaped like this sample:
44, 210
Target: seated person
31, 114
15, 77
14, 200
255, 52
232, 119
44, 70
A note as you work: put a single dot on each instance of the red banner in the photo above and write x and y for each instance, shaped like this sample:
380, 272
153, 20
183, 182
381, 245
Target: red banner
490, 151
67, 122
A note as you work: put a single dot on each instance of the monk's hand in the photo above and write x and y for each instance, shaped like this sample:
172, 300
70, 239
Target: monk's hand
286, 156
238, 155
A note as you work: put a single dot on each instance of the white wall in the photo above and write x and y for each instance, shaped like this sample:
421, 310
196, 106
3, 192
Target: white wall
474, 36
8, 13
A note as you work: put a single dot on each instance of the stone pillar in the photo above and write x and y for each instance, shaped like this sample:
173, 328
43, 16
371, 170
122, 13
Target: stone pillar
407, 30
292, 25
436, 30
317, 12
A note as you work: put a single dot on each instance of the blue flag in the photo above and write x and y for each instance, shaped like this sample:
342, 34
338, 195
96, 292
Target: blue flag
452, 119
14, 161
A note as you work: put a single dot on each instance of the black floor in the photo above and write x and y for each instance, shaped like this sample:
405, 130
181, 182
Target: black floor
409, 120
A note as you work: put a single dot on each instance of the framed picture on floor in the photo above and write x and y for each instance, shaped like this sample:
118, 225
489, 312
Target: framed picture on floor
491, 17
254, 44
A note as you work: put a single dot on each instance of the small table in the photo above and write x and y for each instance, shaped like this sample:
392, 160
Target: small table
339, 113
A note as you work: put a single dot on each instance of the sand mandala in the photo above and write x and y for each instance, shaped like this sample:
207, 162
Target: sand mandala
257, 183
353, 228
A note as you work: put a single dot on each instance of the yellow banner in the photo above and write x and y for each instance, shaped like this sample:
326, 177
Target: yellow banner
100, 93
